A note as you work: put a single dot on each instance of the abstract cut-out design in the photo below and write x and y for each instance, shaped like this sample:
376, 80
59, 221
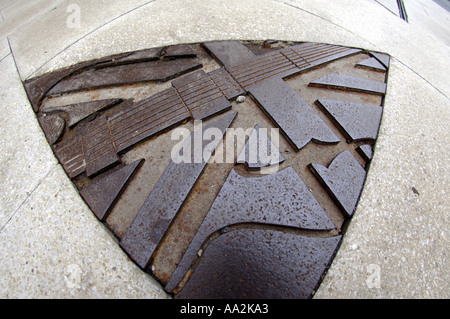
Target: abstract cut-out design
145, 137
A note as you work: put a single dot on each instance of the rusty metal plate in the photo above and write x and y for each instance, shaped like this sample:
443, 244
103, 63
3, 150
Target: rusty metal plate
102, 193
142, 120
201, 95
173, 150
372, 64
292, 114
357, 121
350, 83
165, 200
278, 199
344, 180
255, 256
53, 126
80, 111
159, 70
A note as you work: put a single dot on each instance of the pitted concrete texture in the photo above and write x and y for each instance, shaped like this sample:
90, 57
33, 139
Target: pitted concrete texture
397, 243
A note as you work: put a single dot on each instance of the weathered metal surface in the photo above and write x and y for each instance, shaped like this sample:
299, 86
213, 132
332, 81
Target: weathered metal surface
262, 77
279, 199
310, 55
260, 68
357, 121
248, 68
366, 151
37, 88
372, 64
229, 87
285, 62
79, 111
98, 148
260, 264
351, 83
159, 70
229, 53
103, 193
213, 229
70, 154
92, 151
201, 95
53, 126
165, 200
179, 51
132, 57
382, 58
343, 179
259, 151
291, 113
146, 118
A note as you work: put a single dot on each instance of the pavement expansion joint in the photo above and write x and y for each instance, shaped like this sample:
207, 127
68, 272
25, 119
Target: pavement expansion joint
226, 169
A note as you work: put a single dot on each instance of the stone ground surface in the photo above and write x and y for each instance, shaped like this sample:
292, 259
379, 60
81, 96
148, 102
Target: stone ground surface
396, 246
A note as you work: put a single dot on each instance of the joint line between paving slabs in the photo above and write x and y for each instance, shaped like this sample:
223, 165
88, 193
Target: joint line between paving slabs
86, 35
29, 195
14, 58
290, 5
1, 60
448, 98
318, 16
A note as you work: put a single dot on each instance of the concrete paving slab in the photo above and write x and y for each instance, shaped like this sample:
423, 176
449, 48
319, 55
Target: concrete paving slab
26, 158
26, 9
391, 5
41, 39
430, 16
397, 245
5, 3
217, 20
409, 43
4, 48
60, 236
21, 12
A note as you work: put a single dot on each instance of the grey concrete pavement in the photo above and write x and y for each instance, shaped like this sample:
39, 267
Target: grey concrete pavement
430, 16
397, 243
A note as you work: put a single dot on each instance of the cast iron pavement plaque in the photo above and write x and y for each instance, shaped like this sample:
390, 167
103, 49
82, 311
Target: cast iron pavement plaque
145, 137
